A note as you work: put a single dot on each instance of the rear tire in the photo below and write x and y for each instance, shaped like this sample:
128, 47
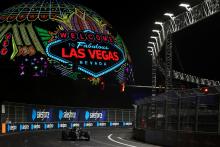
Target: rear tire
88, 137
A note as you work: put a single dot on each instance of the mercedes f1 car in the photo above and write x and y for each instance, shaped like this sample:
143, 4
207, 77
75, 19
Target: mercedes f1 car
75, 134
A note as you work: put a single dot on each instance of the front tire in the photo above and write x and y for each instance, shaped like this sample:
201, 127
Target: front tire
64, 135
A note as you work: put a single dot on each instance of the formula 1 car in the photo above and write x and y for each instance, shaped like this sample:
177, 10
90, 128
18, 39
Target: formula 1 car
75, 134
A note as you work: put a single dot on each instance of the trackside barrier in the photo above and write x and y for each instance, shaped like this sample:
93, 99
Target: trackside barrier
23, 117
22, 127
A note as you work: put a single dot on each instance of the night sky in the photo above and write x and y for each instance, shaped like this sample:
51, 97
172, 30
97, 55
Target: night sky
196, 47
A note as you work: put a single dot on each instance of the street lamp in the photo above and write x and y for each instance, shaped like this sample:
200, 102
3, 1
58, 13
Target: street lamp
186, 6
152, 49
161, 24
153, 37
158, 32
171, 16
152, 43
189, 14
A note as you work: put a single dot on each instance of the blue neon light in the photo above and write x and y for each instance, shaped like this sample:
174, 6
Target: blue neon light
45, 126
32, 126
20, 127
8, 128
34, 114
60, 114
87, 114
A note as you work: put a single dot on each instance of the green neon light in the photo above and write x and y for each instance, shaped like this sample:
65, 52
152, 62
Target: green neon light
34, 38
15, 49
44, 35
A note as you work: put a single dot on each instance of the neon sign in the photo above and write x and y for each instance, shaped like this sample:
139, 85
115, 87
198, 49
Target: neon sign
11, 128
92, 53
93, 116
67, 114
48, 126
24, 127
5, 43
42, 115
35, 126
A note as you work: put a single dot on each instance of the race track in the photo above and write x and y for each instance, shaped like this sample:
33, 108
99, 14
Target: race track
100, 137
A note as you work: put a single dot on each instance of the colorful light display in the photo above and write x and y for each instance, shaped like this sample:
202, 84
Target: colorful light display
69, 39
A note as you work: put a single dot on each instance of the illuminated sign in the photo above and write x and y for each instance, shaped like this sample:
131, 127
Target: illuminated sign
35, 126
75, 125
113, 124
88, 124
11, 128
69, 115
101, 124
41, 114
48, 126
61, 125
127, 123
5, 43
24, 127
93, 116
92, 53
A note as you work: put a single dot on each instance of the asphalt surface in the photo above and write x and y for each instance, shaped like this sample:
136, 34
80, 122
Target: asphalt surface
117, 137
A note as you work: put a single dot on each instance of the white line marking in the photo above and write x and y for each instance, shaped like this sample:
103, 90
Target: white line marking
103, 143
109, 137
126, 140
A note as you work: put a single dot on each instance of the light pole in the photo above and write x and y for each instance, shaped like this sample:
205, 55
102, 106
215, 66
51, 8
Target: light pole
152, 50
152, 43
153, 37
161, 24
158, 32
168, 53
154, 68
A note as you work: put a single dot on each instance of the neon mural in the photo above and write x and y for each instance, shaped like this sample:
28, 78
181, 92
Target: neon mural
70, 39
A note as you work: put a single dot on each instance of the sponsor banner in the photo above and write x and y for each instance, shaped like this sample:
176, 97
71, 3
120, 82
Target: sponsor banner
68, 115
49, 126
114, 124
42, 115
62, 125
95, 115
24, 127
36, 127
101, 124
88, 124
12, 128
127, 124
74, 125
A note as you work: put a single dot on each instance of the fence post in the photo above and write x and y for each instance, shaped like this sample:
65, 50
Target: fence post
165, 112
197, 113
179, 113
219, 115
